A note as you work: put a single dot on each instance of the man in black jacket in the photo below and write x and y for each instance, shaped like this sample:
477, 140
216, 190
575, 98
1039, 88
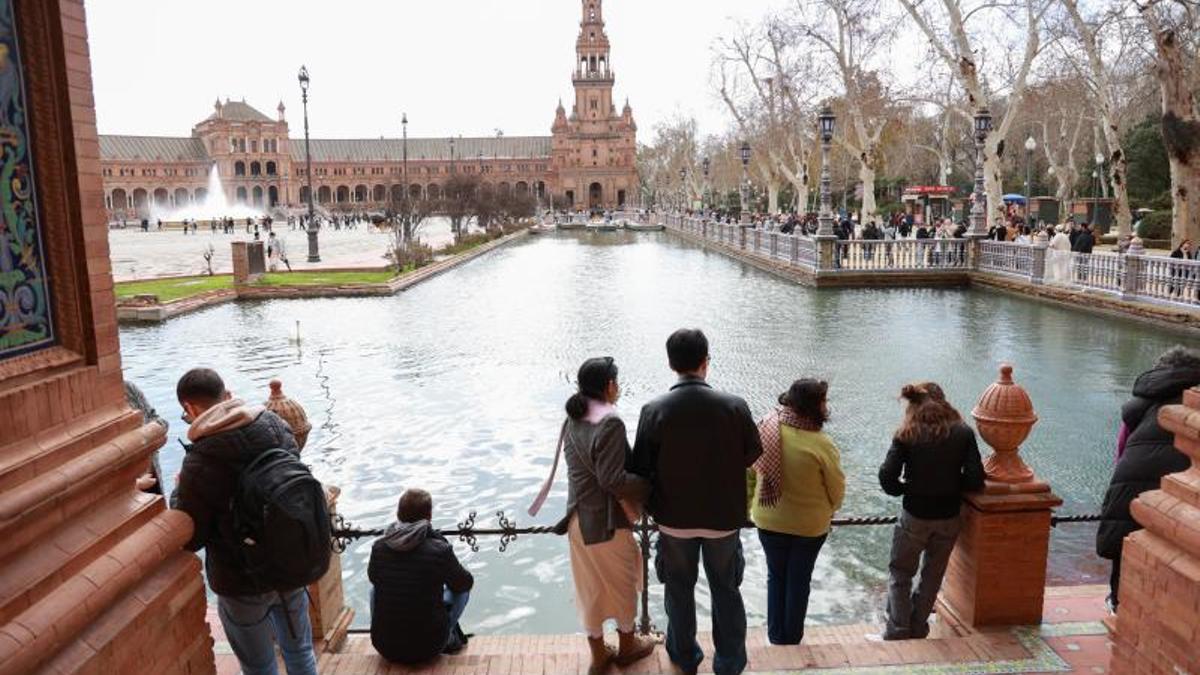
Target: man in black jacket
226, 434
1148, 451
420, 590
694, 444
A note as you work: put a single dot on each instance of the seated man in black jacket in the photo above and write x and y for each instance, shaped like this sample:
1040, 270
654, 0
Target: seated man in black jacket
419, 588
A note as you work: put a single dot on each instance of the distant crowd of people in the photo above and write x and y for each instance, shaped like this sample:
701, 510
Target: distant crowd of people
699, 465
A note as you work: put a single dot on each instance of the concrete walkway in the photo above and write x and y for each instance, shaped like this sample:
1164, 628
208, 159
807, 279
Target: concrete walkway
1070, 639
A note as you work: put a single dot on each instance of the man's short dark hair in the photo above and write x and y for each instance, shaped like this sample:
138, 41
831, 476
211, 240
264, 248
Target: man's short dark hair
200, 385
415, 505
687, 348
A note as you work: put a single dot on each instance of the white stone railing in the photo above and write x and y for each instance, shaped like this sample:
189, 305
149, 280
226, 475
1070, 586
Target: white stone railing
900, 255
1005, 257
1131, 277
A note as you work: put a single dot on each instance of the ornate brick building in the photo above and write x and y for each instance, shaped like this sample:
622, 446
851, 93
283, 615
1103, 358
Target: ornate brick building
588, 161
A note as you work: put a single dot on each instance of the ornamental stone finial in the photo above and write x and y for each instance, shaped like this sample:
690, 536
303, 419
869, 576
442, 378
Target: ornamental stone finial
1004, 417
291, 412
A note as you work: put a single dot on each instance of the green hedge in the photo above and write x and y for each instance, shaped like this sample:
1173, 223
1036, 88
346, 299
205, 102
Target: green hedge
1155, 225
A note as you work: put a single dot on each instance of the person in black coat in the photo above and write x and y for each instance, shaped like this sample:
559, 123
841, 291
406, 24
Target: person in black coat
419, 589
1146, 451
1085, 242
694, 445
934, 459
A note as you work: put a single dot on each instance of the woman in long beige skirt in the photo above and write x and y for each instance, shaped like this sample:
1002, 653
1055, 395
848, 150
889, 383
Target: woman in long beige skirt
603, 502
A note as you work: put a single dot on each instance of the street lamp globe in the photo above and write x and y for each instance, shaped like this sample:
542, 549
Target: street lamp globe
948, 171
1095, 174
303, 77
1030, 144
828, 121
1099, 158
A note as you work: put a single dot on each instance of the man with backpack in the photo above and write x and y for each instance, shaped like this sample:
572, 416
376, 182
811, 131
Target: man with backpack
261, 518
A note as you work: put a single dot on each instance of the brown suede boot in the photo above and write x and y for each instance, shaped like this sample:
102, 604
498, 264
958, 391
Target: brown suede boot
633, 648
602, 656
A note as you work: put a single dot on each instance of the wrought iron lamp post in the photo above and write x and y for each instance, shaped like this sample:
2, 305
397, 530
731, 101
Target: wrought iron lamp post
827, 121
745, 182
1098, 174
452, 166
983, 125
683, 189
1030, 146
704, 200
404, 153
314, 253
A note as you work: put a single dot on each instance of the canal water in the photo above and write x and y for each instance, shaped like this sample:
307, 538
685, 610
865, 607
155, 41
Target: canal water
457, 386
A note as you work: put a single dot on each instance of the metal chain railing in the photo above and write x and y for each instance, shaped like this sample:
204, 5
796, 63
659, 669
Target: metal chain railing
467, 532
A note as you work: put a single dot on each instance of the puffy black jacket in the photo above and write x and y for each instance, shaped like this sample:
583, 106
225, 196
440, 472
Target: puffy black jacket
1149, 455
936, 474
694, 444
411, 565
207, 483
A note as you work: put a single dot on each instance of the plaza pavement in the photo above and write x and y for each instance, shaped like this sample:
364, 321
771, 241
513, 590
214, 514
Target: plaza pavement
144, 255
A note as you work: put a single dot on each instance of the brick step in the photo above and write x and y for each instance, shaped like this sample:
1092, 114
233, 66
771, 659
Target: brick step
35, 571
844, 646
56, 445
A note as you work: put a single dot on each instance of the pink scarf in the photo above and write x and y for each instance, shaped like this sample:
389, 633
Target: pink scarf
769, 466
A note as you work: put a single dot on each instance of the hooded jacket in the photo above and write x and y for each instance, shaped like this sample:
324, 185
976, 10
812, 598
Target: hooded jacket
224, 440
1149, 455
411, 566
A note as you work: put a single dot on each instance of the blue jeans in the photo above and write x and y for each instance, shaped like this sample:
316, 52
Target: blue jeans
790, 562
250, 621
677, 565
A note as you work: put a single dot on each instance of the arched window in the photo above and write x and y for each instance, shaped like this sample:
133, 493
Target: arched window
433, 191
258, 195
272, 196
379, 194
241, 195
200, 195
360, 193
161, 198
414, 191
255, 169
181, 196
343, 194
120, 200
239, 168
324, 195
304, 189
271, 168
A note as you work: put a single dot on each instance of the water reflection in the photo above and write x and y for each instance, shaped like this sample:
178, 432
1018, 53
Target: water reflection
457, 386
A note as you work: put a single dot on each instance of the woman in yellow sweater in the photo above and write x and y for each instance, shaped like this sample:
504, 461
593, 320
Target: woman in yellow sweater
799, 486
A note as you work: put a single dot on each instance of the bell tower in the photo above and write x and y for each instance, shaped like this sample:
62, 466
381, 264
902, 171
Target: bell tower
593, 67
594, 148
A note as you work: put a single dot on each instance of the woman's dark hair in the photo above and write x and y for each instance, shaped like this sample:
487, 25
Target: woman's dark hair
804, 398
594, 376
686, 350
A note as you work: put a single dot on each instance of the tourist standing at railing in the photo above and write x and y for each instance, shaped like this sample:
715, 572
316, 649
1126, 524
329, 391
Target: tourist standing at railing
603, 503
1086, 241
798, 486
695, 444
1058, 257
1146, 452
938, 457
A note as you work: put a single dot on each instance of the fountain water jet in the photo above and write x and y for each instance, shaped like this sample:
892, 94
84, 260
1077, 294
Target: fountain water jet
214, 207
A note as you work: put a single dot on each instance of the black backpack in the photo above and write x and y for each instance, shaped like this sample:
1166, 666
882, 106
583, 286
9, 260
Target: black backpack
281, 522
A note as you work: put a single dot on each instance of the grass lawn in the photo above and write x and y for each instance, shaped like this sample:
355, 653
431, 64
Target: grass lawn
319, 278
173, 289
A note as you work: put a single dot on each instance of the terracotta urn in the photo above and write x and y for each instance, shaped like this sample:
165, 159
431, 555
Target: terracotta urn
1004, 416
291, 412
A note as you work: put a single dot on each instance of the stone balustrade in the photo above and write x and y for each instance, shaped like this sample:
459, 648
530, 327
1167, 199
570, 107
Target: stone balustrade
1134, 276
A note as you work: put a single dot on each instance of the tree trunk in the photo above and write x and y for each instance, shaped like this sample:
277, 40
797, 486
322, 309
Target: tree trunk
1181, 135
866, 174
773, 196
992, 180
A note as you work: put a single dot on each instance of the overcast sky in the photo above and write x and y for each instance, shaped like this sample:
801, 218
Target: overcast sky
457, 67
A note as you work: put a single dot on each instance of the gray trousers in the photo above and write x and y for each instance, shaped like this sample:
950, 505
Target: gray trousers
917, 544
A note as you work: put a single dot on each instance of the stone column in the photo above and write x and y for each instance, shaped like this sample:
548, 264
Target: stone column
1157, 628
1133, 268
1037, 264
997, 573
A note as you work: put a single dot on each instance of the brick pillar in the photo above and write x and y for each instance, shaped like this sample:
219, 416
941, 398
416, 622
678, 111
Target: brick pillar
1157, 627
93, 575
997, 573
330, 616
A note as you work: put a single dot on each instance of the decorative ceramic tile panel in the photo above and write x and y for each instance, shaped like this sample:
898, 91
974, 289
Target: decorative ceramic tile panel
25, 316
